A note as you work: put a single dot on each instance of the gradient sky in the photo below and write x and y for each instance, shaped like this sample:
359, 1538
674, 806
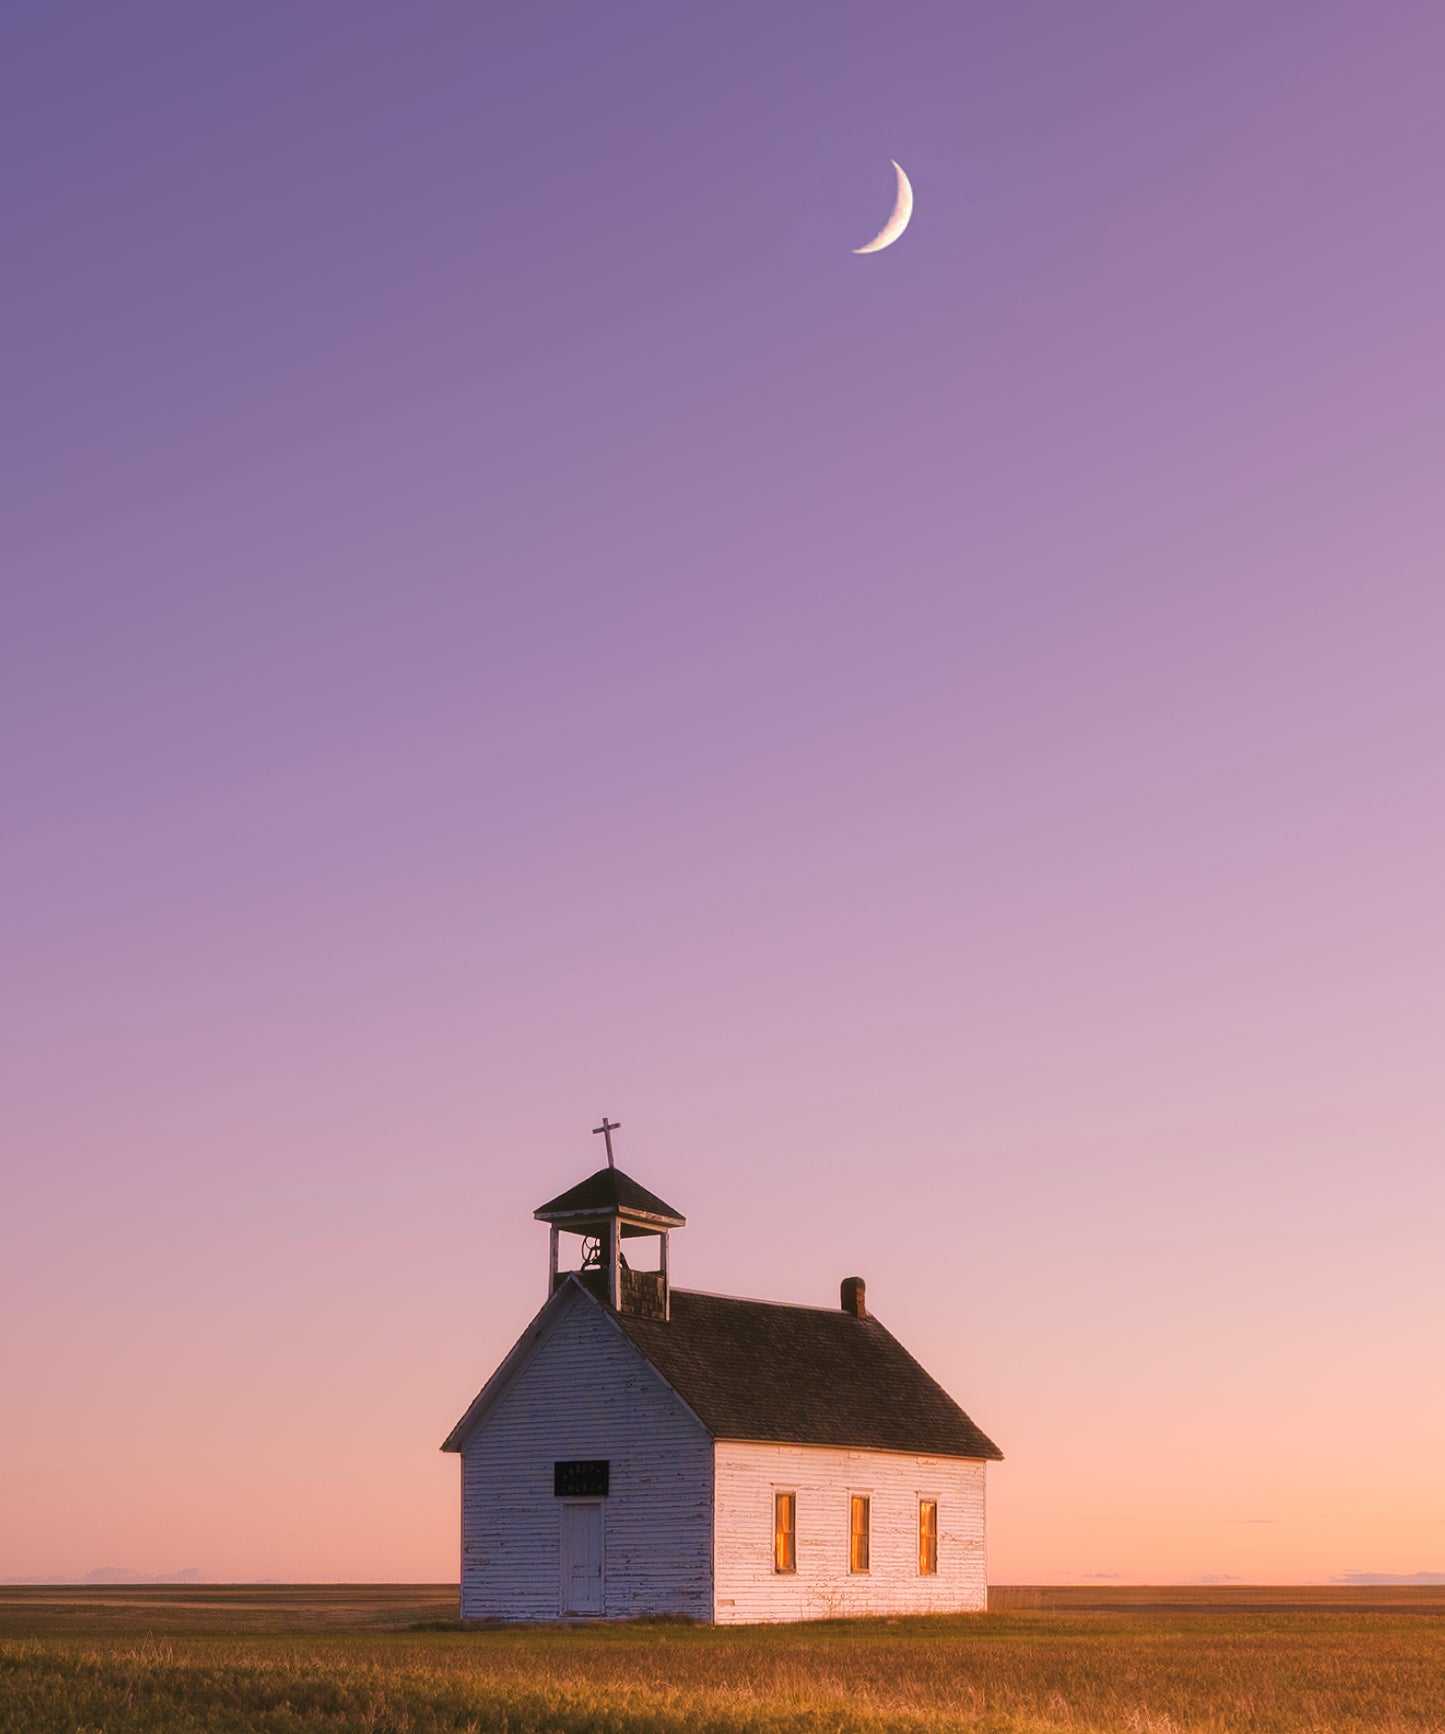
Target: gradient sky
506, 619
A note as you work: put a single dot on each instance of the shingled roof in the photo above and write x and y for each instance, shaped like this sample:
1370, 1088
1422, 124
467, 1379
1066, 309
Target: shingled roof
756, 1370
607, 1190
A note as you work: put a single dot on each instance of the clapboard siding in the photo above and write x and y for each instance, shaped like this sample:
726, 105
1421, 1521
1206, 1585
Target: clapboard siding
824, 1478
585, 1392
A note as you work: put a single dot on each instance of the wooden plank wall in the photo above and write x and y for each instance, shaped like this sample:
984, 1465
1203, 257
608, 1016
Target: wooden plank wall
586, 1393
748, 1588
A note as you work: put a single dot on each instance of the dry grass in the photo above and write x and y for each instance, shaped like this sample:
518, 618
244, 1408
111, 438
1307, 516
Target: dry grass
303, 1661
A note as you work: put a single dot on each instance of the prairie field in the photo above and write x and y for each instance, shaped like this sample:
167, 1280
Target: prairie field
391, 1660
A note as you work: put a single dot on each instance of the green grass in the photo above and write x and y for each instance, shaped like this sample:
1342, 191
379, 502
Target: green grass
312, 1659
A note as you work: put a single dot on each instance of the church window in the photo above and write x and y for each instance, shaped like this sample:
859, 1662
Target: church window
927, 1537
858, 1533
785, 1532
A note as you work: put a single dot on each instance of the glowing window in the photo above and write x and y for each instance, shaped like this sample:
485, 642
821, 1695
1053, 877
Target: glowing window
785, 1532
927, 1537
858, 1533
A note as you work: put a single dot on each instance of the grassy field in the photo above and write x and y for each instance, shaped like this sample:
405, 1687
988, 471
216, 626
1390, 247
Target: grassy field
241, 1660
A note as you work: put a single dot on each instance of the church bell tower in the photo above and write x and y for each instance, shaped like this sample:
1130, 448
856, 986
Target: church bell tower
603, 1211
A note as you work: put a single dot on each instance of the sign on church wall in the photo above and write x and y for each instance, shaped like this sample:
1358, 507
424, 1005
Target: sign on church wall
584, 1479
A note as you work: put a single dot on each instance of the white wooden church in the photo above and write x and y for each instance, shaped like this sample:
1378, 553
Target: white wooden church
649, 1450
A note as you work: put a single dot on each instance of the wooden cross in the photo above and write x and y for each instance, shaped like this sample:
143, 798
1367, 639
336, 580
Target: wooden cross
607, 1128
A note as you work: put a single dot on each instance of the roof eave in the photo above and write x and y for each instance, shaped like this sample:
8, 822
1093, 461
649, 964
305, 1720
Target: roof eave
991, 1455
605, 1214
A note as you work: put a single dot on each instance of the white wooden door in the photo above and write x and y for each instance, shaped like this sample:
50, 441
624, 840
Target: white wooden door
582, 1559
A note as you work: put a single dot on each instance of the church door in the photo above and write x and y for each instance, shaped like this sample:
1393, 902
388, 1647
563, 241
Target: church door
582, 1559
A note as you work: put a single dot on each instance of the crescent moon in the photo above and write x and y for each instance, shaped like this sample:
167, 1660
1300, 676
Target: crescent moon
898, 222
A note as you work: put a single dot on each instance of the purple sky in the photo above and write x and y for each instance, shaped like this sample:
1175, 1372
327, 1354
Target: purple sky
505, 618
